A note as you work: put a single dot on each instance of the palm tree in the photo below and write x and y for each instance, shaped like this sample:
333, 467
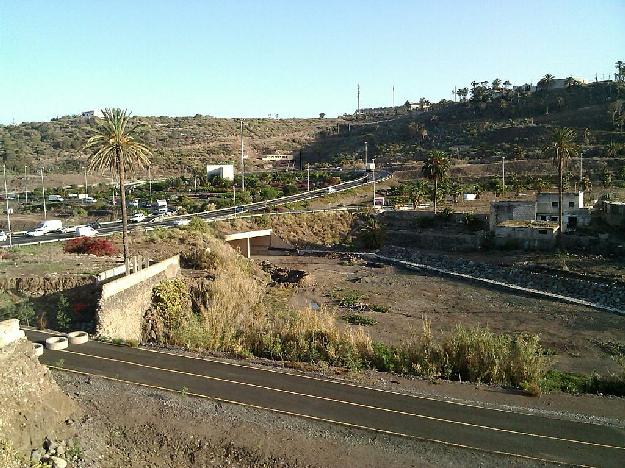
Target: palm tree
546, 81
570, 82
562, 148
114, 146
435, 167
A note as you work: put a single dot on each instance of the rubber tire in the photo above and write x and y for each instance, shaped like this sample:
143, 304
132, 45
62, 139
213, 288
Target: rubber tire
77, 337
56, 343
38, 347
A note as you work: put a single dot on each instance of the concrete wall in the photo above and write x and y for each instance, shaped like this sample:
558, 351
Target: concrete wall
123, 301
511, 210
614, 213
571, 201
529, 238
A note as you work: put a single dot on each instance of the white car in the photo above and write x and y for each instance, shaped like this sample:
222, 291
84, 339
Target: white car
90, 200
182, 222
86, 231
70, 229
3, 236
137, 218
37, 232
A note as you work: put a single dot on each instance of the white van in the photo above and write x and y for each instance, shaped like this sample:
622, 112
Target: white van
51, 225
55, 198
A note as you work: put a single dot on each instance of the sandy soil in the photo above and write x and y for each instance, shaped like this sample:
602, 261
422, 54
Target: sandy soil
576, 335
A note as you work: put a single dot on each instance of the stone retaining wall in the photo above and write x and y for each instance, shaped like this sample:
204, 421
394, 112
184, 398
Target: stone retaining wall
608, 295
123, 301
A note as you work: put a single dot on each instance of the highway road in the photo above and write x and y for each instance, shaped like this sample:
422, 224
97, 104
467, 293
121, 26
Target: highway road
522, 437
109, 228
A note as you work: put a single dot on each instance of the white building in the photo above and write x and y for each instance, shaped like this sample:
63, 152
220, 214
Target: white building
573, 211
225, 171
91, 113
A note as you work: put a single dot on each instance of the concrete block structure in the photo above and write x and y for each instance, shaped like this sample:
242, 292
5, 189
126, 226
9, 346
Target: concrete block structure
531, 235
10, 332
124, 300
225, 171
511, 210
256, 242
613, 213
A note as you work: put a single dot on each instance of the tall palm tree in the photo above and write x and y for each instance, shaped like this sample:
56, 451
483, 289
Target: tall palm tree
435, 167
562, 148
114, 146
546, 81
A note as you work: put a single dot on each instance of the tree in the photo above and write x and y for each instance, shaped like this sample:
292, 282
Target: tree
322, 115
435, 168
562, 148
416, 191
570, 82
496, 84
114, 146
546, 81
619, 76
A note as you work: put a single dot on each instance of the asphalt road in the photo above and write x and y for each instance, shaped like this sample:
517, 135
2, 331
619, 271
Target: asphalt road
522, 437
113, 227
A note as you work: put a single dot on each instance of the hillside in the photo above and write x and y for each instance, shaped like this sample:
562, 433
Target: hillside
477, 130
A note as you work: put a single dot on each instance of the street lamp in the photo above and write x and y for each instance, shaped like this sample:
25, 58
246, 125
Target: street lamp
365, 155
234, 199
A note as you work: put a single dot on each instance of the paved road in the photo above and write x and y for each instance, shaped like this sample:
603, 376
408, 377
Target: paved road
520, 436
109, 228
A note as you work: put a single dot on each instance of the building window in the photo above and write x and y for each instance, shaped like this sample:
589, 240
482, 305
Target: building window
554, 204
543, 217
542, 231
571, 204
553, 218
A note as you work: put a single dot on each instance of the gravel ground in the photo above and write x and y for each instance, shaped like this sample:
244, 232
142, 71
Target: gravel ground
129, 426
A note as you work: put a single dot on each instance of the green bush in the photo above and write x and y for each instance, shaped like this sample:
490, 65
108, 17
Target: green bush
357, 319
63, 315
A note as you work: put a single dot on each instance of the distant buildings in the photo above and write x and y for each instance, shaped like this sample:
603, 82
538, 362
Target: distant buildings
613, 213
91, 113
573, 211
225, 171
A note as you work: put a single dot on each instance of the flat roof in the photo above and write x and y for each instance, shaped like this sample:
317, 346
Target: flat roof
247, 235
530, 224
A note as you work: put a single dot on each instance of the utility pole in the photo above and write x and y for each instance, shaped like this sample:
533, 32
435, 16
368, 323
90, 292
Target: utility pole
149, 182
43, 192
242, 163
373, 182
234, 199
366, 155
393, 95
581, 163
308, 177
6, 199
503, 174
86, 186
358, 108
25, 185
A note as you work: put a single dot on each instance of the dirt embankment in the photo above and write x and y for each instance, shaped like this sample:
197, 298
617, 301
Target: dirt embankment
37, 286
32, 406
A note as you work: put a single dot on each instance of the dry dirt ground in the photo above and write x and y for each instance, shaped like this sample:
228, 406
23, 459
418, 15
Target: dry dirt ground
577, 336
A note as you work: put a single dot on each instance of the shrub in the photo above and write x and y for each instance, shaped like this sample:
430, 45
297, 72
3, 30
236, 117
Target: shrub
171, 306
91, 245
357, 319
63, 316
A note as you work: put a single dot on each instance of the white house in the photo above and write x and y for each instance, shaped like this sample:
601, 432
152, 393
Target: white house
225, 171
573, 211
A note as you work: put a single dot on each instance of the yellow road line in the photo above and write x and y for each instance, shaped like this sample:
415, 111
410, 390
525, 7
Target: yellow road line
326, 380
350, 403
326, 420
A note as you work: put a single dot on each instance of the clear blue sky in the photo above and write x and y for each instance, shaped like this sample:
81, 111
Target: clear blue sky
294, 58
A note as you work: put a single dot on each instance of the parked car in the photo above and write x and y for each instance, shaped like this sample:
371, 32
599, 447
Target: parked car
86, 231
182, 222
137, 218
3, 236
